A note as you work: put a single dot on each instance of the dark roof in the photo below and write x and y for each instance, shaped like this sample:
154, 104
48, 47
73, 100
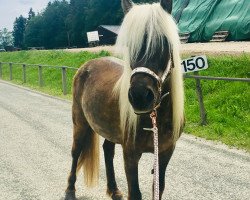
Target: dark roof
113, 28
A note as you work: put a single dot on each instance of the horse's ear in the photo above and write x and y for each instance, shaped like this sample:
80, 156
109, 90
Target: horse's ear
126, 6
166, 5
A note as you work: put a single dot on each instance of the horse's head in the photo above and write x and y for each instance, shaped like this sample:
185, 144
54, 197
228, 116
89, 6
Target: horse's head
148, 75
149, 53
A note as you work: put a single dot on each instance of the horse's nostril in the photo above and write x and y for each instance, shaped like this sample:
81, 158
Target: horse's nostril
141, 98
149, 96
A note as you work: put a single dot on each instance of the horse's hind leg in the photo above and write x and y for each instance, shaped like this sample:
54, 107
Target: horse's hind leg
77, 147
109, 152
81, 129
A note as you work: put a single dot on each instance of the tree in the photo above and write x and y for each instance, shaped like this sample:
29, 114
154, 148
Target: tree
18, 31
102, 12
49, 29
31, 14
76, 22
54, 19
6, 38
34, 32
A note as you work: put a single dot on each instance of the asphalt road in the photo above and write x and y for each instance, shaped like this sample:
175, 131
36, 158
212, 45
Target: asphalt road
35, 143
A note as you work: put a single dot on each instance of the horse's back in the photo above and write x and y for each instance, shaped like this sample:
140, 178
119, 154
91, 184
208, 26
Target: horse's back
93, 89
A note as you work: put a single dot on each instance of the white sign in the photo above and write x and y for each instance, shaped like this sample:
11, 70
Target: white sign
93, 36
193, 64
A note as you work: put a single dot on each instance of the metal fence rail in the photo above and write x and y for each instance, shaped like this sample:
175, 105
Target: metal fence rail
40, 72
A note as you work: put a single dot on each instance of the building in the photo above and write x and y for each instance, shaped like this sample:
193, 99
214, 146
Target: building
108, 34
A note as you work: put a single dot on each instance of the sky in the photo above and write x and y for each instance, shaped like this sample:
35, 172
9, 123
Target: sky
10, 9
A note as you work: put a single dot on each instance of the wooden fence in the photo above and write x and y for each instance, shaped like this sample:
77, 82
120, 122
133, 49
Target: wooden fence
40, 72
64, 69
203, 113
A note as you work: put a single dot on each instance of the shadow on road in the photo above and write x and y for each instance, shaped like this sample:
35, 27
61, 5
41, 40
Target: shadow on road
79, 198
84, 198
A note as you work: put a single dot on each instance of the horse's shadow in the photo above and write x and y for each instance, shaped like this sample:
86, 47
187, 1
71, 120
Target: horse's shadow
84, 198
79, 198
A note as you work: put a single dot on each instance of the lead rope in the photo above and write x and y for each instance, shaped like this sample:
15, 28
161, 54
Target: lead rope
153, 117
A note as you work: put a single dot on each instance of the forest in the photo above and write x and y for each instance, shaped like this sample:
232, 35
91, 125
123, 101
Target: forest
65, 23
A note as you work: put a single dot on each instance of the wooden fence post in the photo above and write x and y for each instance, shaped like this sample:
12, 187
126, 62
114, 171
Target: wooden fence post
1, 71
24, 73
203, 114
40, 75
10, 65
64, 80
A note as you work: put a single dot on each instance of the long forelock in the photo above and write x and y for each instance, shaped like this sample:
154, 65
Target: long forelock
150, 20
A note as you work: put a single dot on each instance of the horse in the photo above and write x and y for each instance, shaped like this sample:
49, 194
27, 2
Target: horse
113, 97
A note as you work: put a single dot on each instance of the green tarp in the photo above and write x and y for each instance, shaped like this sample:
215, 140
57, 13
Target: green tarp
179, 7
202, 18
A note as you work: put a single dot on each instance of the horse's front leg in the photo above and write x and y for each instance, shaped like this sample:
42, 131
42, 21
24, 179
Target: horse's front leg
109, 152
164, 158
131, 160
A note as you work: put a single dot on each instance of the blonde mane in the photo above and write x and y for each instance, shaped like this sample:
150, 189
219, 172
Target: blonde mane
152, 20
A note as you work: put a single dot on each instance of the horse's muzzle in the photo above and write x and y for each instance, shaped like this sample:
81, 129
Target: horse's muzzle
141, 98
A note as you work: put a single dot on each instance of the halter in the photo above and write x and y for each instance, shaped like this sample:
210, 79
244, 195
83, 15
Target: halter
159, 80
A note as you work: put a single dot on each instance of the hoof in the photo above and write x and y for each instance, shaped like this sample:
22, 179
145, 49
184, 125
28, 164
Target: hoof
117, 195
70, 195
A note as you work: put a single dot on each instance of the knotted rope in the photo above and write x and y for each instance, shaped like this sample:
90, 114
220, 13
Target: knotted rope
153, 117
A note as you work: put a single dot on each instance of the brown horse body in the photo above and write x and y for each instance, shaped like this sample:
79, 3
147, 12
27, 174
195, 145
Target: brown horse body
93, 92
97, 109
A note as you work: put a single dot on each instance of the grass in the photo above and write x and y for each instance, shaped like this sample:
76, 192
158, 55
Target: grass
52, 83
226, 103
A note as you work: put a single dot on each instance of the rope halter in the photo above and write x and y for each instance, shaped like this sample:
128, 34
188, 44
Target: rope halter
158, 79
